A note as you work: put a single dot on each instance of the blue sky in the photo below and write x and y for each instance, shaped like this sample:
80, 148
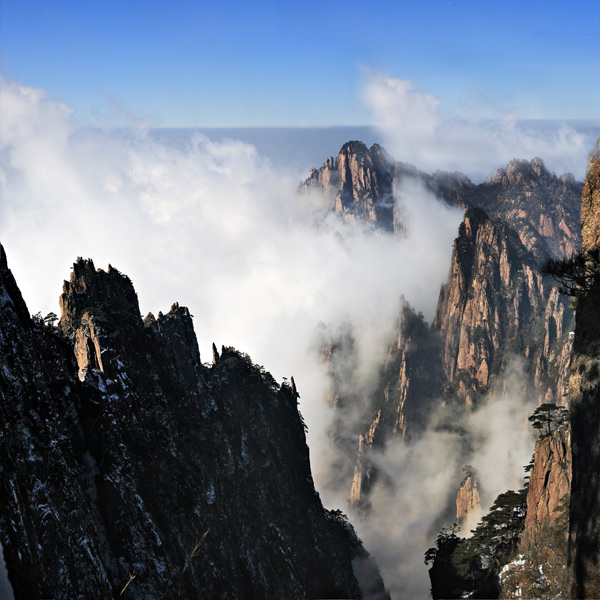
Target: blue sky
301, 63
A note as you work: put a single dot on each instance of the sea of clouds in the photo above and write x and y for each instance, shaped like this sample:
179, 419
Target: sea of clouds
220, 228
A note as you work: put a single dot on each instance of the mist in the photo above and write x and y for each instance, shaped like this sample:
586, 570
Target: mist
406, 515
416, 127
220, 228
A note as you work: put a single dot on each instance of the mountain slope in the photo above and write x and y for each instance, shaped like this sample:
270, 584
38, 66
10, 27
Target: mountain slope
129, 469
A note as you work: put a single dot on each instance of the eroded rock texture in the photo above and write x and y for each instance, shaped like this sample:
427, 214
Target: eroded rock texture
549, 484
496, 306
584, 395
129, 469
541, 207
468, 503
359, 183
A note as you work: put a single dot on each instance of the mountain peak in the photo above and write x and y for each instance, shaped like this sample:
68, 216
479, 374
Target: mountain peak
94, 291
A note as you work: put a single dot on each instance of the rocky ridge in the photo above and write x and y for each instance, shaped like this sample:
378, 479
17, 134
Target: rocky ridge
362, 182
130, 469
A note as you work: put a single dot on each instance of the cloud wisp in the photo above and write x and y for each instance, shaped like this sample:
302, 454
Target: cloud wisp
406, 516
416, 128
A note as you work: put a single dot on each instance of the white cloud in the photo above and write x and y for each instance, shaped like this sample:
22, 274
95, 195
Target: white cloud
406, 519
222, 230
216, 227
415, 128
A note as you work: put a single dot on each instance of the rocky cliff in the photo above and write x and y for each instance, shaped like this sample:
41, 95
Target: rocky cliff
541, 207
584, 396
539, 569
549, 484
130, 469
468, 503
495, 306
359, 183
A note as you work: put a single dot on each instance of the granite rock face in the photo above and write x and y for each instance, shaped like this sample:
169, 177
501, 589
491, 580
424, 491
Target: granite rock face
590, 202
468, 503
130, 469
359, 183
539, 569
495, 306
549, 483
541, 207
584, 396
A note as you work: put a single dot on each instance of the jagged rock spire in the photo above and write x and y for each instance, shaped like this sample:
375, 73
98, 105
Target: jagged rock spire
295, 393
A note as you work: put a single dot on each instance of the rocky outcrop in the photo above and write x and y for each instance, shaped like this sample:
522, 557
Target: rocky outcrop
364, 471
495, 306
539, 568
409, 386
584, 396
541, 207
549, 484
359, 182
590, 203
468, 503
129, 469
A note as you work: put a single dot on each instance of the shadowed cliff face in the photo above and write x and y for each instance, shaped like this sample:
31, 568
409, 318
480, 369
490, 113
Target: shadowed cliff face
410, 383
129, 467
584, 395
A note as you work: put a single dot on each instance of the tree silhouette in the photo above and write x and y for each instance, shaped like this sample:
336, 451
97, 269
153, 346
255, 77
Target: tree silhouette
549, 417
577, 275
